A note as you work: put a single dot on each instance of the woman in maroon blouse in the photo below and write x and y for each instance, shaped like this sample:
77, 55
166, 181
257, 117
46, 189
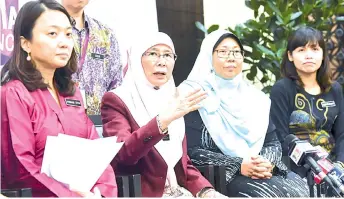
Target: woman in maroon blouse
146, 113
38, 99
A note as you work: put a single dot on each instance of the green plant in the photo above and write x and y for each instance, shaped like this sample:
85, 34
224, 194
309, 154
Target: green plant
264, 37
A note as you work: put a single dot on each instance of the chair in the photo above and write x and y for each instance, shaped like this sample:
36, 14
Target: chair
208, 172
128, 185
216, 175
17, 193
220, 179
97, 121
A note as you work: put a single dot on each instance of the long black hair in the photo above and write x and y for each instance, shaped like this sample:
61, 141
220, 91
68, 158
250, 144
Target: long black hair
302, 37
19, 68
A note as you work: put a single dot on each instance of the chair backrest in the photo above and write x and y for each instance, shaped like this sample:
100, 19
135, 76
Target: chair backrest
97, 121
129, 185
17, 193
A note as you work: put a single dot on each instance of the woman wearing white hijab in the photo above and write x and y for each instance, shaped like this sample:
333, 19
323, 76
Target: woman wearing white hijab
235, 128
146, 113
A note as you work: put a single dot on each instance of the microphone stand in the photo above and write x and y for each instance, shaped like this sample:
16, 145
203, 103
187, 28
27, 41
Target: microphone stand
311, 183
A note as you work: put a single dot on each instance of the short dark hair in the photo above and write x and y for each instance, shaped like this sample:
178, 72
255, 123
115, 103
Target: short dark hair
301, 37
17, 67
228, 35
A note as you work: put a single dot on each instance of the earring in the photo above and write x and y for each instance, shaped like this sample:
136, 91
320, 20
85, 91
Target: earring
28, 58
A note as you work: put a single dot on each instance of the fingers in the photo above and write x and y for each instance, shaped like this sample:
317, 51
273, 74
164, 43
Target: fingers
258, 159
192, 93
196, 96
197, 101
257, 175
267, 165
267, 175
259, 169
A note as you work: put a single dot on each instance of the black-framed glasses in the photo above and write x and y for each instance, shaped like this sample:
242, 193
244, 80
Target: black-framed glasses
237, 54
155, 56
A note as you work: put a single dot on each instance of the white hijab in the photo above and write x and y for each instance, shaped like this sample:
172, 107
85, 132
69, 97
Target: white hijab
145, 102
235, 113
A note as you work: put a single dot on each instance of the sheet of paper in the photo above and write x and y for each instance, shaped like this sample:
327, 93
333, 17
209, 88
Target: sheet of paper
78, 162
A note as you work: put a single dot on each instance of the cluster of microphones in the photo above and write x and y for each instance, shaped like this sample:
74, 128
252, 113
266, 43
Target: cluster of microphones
315, 159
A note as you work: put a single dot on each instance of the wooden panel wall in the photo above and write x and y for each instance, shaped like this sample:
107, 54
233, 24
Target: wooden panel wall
177, 18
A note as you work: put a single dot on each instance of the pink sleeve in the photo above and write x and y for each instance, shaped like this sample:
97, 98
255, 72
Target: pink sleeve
20, 133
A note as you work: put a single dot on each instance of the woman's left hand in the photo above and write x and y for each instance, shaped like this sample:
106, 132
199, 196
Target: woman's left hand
261, 162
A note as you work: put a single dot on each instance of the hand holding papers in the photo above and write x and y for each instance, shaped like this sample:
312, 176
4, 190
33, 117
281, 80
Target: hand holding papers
78, 162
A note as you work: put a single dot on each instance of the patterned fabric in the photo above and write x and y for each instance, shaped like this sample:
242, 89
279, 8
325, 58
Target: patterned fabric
313, 118
102, 69
176, 192
282, 184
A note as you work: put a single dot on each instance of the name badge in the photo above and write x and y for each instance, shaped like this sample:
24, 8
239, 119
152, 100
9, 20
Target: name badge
166, 138
97, 56
71, 102
328, 104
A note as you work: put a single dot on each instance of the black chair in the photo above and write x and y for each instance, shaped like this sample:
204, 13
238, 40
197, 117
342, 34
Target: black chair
128, 185
220, 179
17, 193
216, 175
208, 172
97, 121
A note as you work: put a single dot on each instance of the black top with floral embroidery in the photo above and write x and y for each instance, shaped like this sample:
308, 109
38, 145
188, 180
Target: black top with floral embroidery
316, 118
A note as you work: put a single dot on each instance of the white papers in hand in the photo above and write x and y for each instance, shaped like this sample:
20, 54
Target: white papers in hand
78, 162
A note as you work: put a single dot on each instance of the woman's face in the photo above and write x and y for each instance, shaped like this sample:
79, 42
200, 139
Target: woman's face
228, 59
51, 44
158, 63
307, 59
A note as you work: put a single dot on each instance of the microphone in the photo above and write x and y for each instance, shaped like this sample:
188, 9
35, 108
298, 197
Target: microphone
337, 175
330, 173
302, 153
326, 166
299, 149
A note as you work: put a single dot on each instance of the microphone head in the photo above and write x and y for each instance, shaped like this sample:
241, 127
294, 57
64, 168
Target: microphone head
290, 141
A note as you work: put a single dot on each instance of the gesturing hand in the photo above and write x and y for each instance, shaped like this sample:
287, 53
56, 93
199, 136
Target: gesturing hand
180, 106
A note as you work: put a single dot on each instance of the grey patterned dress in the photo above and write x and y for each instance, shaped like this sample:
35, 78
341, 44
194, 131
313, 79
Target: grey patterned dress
203, 151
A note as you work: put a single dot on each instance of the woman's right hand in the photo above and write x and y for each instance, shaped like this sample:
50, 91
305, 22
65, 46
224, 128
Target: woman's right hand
255, 168
180, 106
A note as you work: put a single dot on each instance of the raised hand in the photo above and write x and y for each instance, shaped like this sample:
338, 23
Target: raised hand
180, 106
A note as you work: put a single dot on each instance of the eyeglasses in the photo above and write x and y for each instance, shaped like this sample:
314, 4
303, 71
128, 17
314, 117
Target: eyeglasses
226, 53
166, 56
